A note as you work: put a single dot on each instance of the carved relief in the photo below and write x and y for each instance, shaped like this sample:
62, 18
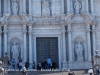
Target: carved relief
45, 8
79, 49
14, 7
46, 20
15, 49
77, 7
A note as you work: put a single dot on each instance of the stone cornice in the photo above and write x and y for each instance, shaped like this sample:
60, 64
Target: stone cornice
47, 24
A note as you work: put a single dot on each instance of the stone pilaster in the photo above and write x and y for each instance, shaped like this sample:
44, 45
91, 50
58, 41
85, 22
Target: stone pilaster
69, 30
24, 6
88, 40
0, 7
87, 6
9, 8
24, 41
92, 11
30, 41
5, 31
53, 8
30, 10
62, 3
71, 6
83, 5
5, 6
68, 6
21, 3
64, 47
0, 41
94, 37
39, 8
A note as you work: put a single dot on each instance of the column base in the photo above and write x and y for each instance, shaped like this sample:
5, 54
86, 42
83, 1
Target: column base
65, 65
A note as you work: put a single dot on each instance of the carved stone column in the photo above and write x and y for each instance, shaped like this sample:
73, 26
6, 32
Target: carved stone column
30, 41
30, 5
53, 8
92, 11
0, 7
69, 41
88, 41
21, 3
5, 6
71, 6
68, 6
39, 8
83, 5
24, 41
5, 31
87, 6
9, 8
62, 1
94, 37
24, 6
0, 41
64, 47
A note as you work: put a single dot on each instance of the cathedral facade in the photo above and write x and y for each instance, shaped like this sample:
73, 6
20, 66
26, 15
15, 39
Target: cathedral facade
67, 31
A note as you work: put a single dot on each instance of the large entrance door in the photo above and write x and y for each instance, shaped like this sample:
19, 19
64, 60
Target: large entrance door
47, 47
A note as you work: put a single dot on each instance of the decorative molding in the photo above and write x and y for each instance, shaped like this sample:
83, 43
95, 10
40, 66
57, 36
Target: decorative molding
4, 19
46, 20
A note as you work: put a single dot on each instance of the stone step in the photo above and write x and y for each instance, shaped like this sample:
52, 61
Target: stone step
79, 72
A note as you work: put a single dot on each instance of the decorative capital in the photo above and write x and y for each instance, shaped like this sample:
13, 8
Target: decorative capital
93, 31
88, 30
30, 23
63, 29
69, 22
5, 31
88, 22
24, 23
24, 31
69, 31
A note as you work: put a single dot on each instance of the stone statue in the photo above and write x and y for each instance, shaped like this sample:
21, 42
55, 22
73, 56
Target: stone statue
77, 7
14, 7
79, 51
15, 51
45, 8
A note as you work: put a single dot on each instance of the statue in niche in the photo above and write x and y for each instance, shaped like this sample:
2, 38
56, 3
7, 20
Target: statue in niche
14, 7
15, 51
77, 7
79, 51
45, 8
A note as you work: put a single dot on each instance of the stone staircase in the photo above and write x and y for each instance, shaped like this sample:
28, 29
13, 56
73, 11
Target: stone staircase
77, 72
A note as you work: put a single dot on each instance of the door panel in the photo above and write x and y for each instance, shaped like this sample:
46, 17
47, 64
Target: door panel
47, 47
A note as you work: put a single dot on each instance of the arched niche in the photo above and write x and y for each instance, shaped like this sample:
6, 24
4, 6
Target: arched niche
18, 44
79, 50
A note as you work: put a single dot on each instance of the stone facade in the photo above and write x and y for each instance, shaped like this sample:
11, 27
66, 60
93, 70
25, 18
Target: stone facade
74, 22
